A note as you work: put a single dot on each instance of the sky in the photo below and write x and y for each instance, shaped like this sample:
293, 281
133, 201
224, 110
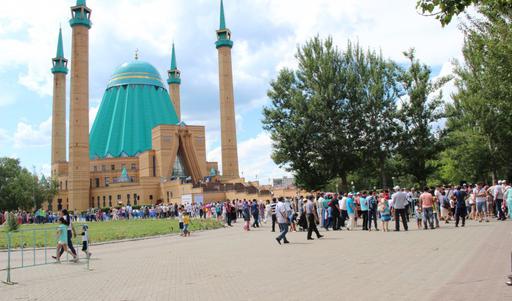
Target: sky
266, 34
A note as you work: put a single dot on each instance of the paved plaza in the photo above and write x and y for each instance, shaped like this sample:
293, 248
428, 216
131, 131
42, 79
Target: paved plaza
228, 264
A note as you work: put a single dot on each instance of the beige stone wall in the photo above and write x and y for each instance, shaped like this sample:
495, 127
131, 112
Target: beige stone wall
165, 141
146, 167
58, 121
227, 115
79, 120
199, 140
174, 92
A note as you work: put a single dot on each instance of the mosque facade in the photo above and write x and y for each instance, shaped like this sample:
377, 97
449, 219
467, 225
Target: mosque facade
138, 151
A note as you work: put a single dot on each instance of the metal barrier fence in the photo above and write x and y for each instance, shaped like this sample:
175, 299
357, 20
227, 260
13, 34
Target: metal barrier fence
49, 243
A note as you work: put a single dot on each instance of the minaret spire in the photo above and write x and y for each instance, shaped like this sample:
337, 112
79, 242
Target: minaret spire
60, 64
173, 58
174, 82
60, 49
222, 19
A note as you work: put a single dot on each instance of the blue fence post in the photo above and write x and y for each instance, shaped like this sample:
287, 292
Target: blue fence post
9, 246
34, 237
22, 244
45, 246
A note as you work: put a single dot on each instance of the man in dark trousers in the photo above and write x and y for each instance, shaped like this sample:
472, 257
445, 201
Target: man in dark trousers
460, 206
399, 201
336, 212
273, 208
312, 217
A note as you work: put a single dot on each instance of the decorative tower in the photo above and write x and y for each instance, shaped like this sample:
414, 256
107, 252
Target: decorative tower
174, 82
79, 108
59, 70
227, 101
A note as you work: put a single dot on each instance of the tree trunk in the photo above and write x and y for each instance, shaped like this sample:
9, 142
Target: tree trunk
382, 172
344, 184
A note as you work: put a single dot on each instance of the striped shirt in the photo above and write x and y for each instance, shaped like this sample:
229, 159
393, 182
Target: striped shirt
273, 207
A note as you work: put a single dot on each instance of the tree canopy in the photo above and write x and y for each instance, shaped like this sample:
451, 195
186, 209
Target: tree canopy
445, 10
19, 189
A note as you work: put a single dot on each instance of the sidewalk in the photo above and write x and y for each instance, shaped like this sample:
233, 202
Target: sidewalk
228, 264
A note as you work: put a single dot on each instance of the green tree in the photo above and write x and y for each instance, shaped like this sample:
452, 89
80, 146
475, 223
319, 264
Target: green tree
482, 108
298, 110
378, 115
445, 10
17, 185
335, 114
420, 110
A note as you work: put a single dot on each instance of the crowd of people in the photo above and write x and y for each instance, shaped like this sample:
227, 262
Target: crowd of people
372, 210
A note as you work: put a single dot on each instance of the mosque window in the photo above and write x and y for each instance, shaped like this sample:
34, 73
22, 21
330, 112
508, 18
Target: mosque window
118, 197
134, 166
112, 167
97, 180
95, 168
104, 203
103, 168
66, 184
107, 181
110, 201
178, 169
150, 197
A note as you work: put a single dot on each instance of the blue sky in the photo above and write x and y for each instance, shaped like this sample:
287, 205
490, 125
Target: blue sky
265, 32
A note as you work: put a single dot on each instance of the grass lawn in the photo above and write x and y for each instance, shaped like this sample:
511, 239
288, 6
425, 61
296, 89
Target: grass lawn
102, 231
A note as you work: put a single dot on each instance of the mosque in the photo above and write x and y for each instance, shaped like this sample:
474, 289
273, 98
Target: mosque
138, 151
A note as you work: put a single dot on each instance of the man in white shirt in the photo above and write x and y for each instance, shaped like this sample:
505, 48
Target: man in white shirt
498, 200
399, 201
343, 208
282, 220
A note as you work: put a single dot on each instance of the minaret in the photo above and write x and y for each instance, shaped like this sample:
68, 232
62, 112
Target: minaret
174, 82
227, 101
79, 108
59, 70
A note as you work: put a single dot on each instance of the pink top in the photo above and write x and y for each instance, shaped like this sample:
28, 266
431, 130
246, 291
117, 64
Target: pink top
427, 200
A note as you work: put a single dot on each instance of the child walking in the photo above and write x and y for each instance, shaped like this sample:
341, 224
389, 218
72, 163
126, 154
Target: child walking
418, 214
186, 223
62, 240
85, 240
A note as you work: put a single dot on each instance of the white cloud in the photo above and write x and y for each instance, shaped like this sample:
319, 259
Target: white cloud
4, 137
254, 157
27, 135
6, 99
93, 111
45, 169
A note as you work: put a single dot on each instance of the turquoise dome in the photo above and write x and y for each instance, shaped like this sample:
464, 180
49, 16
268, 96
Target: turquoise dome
134, 102
136, 72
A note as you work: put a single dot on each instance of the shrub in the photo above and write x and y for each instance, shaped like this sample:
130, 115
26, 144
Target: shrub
12, 222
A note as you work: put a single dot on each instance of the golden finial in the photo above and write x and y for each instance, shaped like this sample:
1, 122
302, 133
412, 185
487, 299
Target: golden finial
137, 53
